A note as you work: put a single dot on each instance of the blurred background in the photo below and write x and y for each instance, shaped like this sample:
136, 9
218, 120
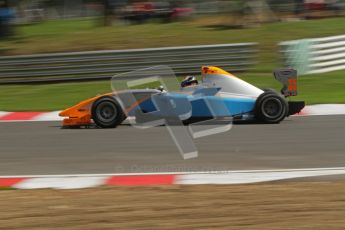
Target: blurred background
243, 12
261, 35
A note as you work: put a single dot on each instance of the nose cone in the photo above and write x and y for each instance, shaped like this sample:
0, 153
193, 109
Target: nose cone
77, 110
64, 113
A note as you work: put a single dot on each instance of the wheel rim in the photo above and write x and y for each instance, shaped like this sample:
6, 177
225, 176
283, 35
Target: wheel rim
106, 112
272, 108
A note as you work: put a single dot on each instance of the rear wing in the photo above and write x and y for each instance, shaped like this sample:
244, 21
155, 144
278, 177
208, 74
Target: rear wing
288, 77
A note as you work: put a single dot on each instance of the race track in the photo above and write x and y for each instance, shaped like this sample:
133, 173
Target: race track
32, 148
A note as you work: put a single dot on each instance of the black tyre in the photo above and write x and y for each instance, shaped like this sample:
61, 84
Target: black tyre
271, 108
270, 90
107, 113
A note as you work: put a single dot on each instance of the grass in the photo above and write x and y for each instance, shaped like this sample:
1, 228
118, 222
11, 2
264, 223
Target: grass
6, 188
78, 35
314, 89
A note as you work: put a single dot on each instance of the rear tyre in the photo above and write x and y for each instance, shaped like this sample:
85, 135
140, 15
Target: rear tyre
107, 113
270, 90
271, 108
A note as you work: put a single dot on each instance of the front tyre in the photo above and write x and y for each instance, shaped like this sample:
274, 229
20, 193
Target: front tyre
107, 113
271, 108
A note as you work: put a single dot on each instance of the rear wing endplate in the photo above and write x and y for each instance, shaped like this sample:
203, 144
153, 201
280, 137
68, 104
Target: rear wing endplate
288, 77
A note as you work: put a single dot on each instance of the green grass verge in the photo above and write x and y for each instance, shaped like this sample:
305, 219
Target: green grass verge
6, 188
314, 89
78, 35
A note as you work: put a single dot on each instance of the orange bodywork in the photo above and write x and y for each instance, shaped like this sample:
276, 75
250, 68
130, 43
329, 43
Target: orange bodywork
80, 114
214, 70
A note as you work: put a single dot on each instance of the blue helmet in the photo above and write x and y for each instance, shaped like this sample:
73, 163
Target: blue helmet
189, 80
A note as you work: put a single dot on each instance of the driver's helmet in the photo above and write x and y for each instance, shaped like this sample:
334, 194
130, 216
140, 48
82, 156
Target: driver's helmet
188, 81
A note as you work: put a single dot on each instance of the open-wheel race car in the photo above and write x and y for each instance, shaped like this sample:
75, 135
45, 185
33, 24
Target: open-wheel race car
220, 94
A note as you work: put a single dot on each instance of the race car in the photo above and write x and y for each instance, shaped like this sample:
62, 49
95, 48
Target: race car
219, 95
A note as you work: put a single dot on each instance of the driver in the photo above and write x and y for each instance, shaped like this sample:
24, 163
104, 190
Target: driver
189, 81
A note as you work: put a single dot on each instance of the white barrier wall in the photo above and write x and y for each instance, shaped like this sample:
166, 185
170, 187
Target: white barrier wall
316, 55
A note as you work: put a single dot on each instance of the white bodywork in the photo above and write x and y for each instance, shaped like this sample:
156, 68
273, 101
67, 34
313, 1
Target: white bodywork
231, 86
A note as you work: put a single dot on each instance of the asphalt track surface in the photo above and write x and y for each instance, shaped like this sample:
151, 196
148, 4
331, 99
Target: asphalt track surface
43, 148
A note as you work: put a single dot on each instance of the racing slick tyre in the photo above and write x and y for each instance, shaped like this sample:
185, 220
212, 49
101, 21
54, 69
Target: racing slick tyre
271, 108
107, 113
270, 90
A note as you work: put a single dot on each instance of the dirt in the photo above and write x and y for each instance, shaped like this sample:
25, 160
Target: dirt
288, 205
